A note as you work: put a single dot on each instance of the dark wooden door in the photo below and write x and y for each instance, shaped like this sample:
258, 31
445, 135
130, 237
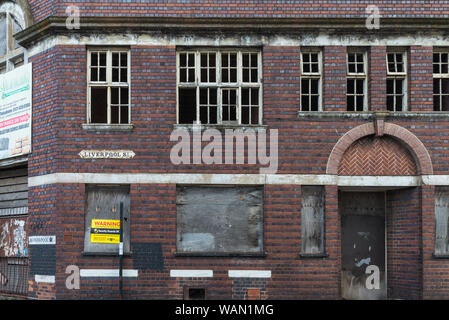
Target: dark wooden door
363, 273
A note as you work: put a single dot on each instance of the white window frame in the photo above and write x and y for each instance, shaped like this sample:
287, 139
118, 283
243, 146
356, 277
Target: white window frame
392, 75
219, 85
13, 56
312, 75
359, 75
440, 76
108, 83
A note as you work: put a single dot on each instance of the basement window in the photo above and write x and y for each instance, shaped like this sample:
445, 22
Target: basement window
194, 294
102, 220
219, 87
109, 86
356, 81
219, 220
396, 81
312, 220
441, 80
311, 81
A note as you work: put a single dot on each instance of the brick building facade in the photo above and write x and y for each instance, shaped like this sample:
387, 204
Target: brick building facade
362, 122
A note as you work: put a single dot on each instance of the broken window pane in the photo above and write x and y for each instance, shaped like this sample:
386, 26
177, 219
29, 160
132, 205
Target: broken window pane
219, 219
187, 106
312, 219
99, 105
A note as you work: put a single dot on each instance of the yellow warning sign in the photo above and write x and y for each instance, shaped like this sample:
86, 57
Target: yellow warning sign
105, 231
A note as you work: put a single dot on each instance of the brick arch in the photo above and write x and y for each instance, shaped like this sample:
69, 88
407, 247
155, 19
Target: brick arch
407, 139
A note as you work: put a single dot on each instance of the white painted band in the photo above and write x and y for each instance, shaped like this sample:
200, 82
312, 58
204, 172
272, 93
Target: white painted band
191, 273
239, 179
249, 274
308, 39
44, 279
105, 273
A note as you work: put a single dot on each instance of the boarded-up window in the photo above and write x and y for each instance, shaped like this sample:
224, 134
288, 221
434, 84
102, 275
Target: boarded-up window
442, 221
13, 191
219, 219
103, 219
312, 219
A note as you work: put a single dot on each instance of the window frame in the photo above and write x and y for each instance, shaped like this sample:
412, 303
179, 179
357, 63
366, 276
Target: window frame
312, 75
358, 76
398, 76
108, 83
219, 84
13, 57
439, 76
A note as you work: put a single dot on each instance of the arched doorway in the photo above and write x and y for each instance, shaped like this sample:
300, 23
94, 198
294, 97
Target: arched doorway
381, 241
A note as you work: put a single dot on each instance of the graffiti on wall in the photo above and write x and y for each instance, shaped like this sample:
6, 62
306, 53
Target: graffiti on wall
13, 239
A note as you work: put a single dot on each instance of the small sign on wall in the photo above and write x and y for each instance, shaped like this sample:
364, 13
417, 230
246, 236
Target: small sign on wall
107, 154
42, 240
105, 231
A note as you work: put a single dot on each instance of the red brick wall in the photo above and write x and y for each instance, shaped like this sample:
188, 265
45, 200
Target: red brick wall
421, 78
334, 78
154, 113
153, 220
435, 271
377, 78
304, 148
404, 244
221, 8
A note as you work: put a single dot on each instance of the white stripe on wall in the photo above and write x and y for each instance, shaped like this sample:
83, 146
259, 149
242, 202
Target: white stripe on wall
91, 273
191, 273
239, 179
44, 279
249, 274
309, 39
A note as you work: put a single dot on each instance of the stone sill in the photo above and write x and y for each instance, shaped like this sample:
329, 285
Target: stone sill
220, 255
221, 127
105, 254
107, 127
313, 255
371, 114
440, 256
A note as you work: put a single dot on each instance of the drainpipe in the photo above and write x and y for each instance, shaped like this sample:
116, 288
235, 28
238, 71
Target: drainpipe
121, 253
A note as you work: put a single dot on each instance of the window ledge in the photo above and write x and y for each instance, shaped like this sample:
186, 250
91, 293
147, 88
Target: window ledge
107, 127
221, 126
372, 114
313, 255
105, 254
221, 254
441, 256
